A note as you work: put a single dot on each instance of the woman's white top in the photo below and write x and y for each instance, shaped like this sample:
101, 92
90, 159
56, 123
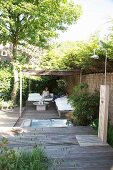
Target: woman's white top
45, 94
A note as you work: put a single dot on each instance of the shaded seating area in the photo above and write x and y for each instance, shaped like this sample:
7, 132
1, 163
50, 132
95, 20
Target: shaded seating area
61, 103
35, 96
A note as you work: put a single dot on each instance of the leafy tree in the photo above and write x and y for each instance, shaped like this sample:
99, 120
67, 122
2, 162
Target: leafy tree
70, 55
34, 22
79, 57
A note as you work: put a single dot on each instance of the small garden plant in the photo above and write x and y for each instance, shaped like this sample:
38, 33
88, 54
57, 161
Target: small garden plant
13, 160
6, 104
85, 104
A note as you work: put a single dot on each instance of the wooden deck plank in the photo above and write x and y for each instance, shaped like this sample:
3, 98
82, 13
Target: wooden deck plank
60, 144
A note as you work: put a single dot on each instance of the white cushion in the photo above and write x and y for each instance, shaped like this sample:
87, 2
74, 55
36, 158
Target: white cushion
62, 104
34, 94
34, 97
38, 97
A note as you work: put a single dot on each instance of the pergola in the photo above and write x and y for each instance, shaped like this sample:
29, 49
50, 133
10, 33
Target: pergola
29, 72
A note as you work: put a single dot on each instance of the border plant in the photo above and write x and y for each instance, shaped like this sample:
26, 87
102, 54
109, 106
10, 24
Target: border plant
13, 160
85, 104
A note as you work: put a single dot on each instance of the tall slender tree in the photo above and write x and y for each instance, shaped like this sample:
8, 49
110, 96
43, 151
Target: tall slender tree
34, 22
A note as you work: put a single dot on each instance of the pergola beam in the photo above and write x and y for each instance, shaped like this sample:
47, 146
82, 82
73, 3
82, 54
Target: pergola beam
51, 72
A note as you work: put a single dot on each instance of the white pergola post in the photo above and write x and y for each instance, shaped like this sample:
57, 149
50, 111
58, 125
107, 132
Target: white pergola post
20, 93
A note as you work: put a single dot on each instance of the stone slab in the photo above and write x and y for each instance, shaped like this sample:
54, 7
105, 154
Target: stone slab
89, 140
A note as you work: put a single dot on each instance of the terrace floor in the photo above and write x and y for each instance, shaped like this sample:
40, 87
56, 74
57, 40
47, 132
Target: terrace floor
68, 148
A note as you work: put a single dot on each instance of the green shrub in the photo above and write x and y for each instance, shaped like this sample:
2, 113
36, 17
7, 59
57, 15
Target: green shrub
62, 86
13, 160
39, 83
110, 134
85, 104
5, 83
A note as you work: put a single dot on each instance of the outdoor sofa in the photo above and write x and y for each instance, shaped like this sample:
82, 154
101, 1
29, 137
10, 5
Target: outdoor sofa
63, 106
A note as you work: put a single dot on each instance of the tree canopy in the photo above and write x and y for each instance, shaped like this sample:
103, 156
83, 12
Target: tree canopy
35, 21
70, 55
77, 55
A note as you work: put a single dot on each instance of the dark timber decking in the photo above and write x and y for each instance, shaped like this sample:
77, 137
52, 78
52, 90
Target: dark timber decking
60, 144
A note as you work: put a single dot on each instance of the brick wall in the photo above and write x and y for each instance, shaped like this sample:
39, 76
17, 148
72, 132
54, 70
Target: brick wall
94, 81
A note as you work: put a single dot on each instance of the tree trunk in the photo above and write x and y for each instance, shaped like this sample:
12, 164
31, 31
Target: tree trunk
15, 75
15, 85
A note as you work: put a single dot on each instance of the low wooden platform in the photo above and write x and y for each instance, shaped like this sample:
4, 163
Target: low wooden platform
62, 148
61, 145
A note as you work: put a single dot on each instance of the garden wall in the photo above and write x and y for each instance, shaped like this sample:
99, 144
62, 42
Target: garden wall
94, 81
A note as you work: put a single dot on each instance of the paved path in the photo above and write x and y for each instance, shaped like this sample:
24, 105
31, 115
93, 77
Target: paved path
8, 118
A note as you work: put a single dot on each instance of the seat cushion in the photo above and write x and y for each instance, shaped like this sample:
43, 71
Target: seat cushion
63, 105
34, 97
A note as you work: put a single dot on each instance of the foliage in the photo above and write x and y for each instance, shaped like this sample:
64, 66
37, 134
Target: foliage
39, 84
62, 86
6, 104
34, 160
107, 43
85, 104
29, 56
5, 81
94, 124
8, 156
35, 21
110, 134
70, 55
54, 56
79, 57
12, 160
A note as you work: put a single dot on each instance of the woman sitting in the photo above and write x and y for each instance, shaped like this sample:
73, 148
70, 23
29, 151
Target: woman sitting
45, 93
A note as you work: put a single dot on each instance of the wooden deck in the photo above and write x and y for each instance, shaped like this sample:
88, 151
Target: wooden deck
61, 145
30, 112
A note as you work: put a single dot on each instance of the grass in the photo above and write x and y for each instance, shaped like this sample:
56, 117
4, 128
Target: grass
34, 160
13, 160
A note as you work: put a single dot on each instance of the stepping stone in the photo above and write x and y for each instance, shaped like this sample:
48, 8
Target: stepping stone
89, 140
